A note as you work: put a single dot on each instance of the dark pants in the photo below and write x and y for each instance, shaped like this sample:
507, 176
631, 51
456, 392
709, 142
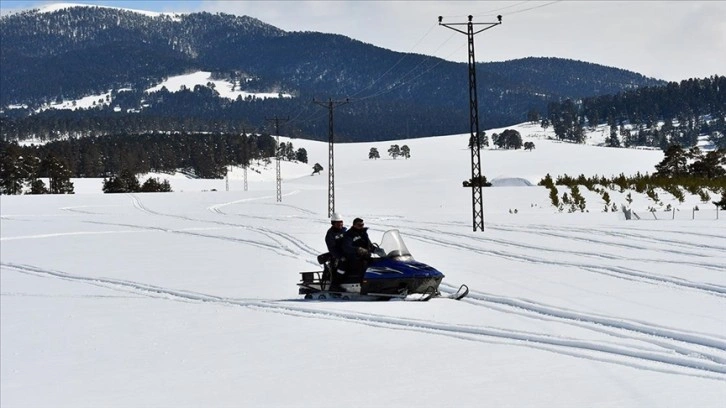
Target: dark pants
357, 268
333, 275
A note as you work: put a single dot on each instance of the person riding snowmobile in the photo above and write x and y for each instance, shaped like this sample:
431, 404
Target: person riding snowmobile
357, 248
333, 240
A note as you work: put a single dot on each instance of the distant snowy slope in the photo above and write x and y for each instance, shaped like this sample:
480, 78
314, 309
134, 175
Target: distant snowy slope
53, 7
202, 78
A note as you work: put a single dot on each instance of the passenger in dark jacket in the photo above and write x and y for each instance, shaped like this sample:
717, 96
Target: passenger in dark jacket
357, 248
334, 242
334, 237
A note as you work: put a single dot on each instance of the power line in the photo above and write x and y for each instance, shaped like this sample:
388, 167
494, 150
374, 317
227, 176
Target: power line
477, 203
331, 159
278, 177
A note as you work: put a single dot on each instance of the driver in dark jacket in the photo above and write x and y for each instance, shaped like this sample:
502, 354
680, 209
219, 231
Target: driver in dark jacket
357, 248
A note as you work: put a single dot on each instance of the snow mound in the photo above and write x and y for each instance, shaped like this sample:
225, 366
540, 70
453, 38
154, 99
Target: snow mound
511, 182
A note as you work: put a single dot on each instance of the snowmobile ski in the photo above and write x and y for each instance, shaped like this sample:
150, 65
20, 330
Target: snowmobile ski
458, 295
353, 296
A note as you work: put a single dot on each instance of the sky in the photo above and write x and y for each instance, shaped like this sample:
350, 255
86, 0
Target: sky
189, 299
669, 40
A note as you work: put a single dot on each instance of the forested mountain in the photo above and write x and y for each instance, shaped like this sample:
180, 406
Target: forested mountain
77, 51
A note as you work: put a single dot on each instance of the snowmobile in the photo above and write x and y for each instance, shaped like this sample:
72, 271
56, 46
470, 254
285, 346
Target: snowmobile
391, 273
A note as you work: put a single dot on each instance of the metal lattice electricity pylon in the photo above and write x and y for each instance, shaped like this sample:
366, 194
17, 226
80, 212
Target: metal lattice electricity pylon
245, 157
477, 203
277, 120
331, 154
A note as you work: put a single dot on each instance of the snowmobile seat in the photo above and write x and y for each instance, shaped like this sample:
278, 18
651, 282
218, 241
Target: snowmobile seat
323, 258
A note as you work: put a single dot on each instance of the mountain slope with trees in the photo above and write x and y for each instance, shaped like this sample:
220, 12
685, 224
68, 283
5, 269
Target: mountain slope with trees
78, 51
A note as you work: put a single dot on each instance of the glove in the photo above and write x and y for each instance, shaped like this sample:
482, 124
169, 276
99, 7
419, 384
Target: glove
362, 252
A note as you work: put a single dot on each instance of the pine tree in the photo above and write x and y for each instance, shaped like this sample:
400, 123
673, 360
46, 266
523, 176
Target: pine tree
126, 182
12, 174
483, 140
673, 164
38, 187
405, 151
612, 140
301, 155
153, 184
721, 203
373, 154
58, 174
394, 151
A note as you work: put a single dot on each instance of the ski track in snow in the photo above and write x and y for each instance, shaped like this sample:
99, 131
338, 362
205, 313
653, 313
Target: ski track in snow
690, 364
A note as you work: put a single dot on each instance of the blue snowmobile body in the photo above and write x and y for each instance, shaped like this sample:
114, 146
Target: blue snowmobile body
400, 273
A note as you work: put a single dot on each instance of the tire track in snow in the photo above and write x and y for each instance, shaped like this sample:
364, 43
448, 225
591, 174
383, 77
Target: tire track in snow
587, 349
260, 244
664, 337
283, 240
587, 236
705, 265
565, 233
613, 271
218, 207
680, 232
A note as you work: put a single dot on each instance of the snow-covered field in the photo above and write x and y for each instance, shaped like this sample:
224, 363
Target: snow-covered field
189, 298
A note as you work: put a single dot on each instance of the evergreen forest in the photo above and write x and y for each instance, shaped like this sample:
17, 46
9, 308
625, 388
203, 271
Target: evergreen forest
662, 116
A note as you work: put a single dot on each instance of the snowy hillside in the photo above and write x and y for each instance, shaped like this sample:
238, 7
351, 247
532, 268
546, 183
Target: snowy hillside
189, 298
52, 8
224, 88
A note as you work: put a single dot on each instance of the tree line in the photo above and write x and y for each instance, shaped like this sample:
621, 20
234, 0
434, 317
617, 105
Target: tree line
199, 155
686, 110
22, 172
680, 171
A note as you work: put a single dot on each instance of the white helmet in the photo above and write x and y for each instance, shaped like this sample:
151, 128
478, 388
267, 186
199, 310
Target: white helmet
335, 217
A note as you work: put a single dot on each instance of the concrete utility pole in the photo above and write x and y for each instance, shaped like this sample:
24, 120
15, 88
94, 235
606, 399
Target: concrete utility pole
331, 140
477, 204
277, 155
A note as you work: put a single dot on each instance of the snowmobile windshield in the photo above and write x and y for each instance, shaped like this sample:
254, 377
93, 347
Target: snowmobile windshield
392, 245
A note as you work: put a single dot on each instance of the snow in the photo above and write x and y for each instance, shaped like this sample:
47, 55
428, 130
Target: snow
188, 298
172, 84
50, 8
85, 102
175, 83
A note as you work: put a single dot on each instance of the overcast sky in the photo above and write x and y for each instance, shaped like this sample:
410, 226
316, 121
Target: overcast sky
670, 40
